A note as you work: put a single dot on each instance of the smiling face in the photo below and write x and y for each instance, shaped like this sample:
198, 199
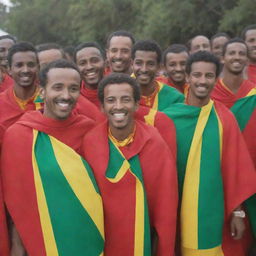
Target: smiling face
61, 92
200, 43
24, 69
91, 65
145, 67
235, 58
217, 46
5, 45
119, 106
250, 40
201, 80
119, 54
175, 66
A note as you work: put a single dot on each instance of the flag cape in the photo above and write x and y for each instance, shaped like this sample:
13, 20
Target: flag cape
91, 95
169, 82
6, 82
117, 167
119, 199
68, 199
251, 72
165, 97
204, 156
223, 94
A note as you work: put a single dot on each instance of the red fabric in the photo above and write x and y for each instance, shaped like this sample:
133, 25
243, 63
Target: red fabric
6, 83
17, 172
91, 95
239, 177
163, 124
169, 82
221, 94
251, 72
160, 181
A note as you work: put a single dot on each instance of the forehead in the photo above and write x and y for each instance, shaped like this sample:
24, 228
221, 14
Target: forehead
200, 40
236, 47
171, 56
7, 43
118, 90
120, 41
250, 33
61, 75
88, 52
50, 55
219, 40
203, 67
24, 56
146, 55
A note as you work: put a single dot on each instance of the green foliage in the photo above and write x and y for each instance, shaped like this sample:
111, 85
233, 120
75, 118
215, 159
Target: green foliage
167, 21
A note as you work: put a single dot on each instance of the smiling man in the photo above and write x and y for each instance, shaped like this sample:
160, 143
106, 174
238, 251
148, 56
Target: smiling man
174, 60
199, 43
232, 85
118, 49
146, 57
49, 189
89, 57
210, 196
135, 172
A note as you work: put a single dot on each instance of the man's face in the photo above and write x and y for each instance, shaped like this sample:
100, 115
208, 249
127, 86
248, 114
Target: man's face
235, 58
61, 92
200, 43
119, 106
119, 54
145, 67
24, 68
48, 56
202, 79
91, 65
217, 46
250, 40
5, 45
175, 66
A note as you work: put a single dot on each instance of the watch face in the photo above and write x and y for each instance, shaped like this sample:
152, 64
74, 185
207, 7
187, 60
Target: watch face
240, 214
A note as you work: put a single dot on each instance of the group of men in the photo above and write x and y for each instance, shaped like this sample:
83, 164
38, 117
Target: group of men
128, 152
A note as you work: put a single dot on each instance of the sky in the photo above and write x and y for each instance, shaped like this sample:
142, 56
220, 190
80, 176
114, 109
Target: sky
6, 2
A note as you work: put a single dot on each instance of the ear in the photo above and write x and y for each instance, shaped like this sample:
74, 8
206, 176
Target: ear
42, 93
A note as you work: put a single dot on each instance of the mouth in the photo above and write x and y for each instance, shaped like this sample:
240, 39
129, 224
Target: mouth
202, 89
64, 106
117, 62
91, 75
236, 64
119, 116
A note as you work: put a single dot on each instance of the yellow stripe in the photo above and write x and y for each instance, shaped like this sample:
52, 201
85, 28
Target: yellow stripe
251, 92
150, 117
189, 207
139, 220
38, 105
71, 163
125, 166
155, 105
49, 240
217, 251
220, 133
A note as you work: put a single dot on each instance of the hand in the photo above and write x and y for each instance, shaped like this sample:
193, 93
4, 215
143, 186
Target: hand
237, 227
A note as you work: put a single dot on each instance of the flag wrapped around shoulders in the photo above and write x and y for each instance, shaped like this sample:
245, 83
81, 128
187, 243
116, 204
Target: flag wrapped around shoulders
214, 173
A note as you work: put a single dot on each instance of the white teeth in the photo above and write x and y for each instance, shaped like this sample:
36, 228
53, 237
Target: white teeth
91, 74
64, 105
119, 114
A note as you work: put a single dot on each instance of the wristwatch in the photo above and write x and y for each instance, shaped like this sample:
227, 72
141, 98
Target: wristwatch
240, 214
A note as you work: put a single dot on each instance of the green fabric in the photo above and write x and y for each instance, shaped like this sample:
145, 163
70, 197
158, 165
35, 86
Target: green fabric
115, 162
250, 205
66, 212
211, 195
243, 109
168, 96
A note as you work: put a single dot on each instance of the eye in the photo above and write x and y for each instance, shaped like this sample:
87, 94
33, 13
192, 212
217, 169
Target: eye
109, 100
75, 89
31, 64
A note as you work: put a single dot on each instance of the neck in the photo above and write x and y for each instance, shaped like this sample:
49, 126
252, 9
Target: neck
122, 134
197, 102
24, 93
232, 81
147, 90
91, 87
179, 84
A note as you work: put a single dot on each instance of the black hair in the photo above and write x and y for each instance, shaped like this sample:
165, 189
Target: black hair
174, 48
50, 46
149, 46
20, 47
123, 33
118, 78
203, 56
234, 40
8, 37
87, 45
61, 63
220, 34
247, 28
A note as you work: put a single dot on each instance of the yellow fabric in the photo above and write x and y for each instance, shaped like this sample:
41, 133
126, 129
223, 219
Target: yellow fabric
217, 251
251, 92
70, 162
189, 207
23, 103
150, 117
49, 240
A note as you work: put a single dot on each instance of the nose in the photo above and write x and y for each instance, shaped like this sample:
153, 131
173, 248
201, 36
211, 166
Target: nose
88, 66
65, 94
118, 54
143, 67
118, 104
178, 67
202, 80
25, 68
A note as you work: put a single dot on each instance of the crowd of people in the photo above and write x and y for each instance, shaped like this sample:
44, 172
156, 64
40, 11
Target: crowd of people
128, 151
